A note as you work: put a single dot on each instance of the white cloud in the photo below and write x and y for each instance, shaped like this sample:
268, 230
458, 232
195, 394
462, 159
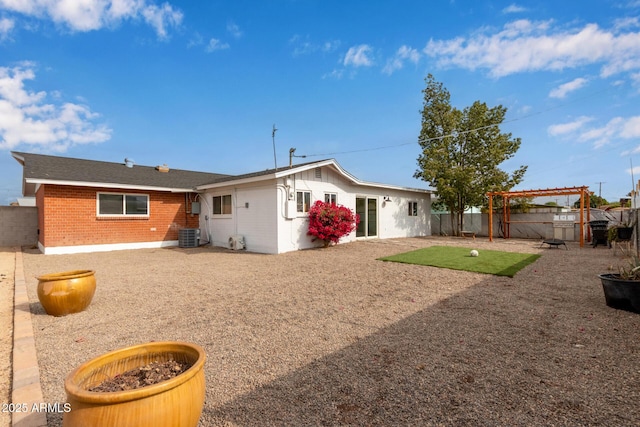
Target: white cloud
335, 74
196, 40
405, 53
631, 128
514, 8
330, 46
215, 44
162, 17
627, 128
570, 127
25, 118
626, 22
525, 46
234, 30
603, 135
358, 56
303, 46
562, 90
88, 15
618, 128
6, 26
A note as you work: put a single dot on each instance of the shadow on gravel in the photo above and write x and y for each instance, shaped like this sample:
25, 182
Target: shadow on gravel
539, 354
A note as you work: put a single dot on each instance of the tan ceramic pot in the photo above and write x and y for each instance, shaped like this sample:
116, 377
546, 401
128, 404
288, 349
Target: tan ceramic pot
171, 403
65, 293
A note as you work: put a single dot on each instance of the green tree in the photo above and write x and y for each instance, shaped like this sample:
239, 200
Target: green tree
594, 202
461, 151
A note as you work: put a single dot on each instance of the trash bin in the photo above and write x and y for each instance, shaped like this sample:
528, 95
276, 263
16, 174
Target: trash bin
599, 232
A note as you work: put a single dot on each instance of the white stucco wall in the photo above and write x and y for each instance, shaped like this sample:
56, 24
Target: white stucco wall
264, 213
253, 217
392, 221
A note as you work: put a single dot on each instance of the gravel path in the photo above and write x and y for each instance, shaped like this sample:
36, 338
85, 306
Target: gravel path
7, 271
335, 337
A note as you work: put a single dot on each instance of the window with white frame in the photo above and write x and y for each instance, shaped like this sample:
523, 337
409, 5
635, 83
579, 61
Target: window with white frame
413, 208
222, 205
117, 204
331, 198
303, 201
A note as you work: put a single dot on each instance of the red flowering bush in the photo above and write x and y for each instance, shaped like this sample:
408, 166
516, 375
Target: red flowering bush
329, 222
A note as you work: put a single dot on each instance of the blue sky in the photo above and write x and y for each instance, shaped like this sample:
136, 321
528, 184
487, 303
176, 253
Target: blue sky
199, 85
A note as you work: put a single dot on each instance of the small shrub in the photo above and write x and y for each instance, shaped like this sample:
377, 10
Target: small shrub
329, 222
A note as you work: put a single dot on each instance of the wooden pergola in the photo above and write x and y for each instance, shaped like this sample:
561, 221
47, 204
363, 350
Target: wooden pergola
566, 191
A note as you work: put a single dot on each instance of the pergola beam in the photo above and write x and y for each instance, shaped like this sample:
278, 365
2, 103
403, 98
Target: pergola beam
564, 191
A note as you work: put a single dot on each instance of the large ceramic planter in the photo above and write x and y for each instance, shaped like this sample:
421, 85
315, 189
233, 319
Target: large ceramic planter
621, 294
171, 403
65, 293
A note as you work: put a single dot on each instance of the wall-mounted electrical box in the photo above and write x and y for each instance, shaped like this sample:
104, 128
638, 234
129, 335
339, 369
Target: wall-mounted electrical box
291, 211
195, 208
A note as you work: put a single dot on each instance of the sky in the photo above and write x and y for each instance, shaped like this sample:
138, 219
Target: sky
201, 85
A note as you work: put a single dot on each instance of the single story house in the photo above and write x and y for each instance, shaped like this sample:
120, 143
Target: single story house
90, 206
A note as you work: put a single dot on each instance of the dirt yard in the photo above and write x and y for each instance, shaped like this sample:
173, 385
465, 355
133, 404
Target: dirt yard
335, 337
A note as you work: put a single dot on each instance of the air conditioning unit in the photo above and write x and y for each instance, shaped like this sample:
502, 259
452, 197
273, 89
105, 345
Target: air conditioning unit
236, 242
189, 237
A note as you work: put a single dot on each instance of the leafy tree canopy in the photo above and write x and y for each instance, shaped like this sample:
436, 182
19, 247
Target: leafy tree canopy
462, 149
594, 202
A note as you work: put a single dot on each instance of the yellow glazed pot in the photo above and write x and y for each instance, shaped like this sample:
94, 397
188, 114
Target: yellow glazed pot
175, 402
65, 293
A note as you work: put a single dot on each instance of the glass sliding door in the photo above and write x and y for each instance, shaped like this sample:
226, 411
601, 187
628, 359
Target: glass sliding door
361, 210
367, 209
372, 217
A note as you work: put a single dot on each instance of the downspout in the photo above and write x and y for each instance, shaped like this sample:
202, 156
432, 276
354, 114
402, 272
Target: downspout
207, 216
234, 205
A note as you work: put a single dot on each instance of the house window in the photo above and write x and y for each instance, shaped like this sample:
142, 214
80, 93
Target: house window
222, 205
331, 198
123, 204
303, 199
413, 208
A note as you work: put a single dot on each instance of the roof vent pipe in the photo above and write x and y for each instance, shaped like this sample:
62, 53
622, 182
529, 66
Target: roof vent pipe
128, 162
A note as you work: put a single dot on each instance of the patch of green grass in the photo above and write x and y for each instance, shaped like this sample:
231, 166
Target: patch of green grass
457, 258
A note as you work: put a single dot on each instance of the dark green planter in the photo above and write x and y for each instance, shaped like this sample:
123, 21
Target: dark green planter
620, 293
624, 233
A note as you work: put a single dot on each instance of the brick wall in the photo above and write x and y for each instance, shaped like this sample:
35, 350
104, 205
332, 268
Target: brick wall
69, 218
18, 225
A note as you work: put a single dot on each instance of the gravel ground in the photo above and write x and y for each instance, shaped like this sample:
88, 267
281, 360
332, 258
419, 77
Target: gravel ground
335, 337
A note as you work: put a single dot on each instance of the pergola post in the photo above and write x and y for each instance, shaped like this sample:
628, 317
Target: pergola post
491, 217
582, 218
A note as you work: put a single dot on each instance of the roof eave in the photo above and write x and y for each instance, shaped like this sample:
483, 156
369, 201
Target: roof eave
18, 157
107, 185
235, 182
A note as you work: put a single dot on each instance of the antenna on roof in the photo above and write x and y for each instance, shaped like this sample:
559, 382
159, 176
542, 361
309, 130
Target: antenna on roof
273, 139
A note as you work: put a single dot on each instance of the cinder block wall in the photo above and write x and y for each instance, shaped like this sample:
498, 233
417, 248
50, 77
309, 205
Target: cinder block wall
70, 218
18, 225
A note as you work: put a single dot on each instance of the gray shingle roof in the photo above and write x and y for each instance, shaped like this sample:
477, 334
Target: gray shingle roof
260, 173
54, 168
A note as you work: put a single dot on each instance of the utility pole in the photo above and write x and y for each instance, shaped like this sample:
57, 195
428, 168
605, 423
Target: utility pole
600, 188
273, 139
